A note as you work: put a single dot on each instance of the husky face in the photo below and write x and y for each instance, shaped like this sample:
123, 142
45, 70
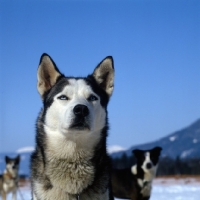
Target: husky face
74, 108
12, 164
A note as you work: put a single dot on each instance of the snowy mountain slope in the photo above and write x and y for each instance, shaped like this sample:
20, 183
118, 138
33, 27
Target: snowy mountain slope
184, 143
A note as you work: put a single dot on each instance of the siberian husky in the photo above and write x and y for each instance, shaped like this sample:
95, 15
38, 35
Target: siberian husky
135, 183
70, 160
9, 179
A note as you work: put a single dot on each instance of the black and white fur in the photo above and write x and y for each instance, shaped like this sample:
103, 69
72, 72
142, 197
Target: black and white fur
70, 160
9, 178
135, 183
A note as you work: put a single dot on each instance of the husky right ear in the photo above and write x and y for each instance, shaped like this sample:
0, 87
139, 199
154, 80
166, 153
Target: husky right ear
47, 74
104, 75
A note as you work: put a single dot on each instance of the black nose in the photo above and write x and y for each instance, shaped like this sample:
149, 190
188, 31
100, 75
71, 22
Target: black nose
81, 110
149, 165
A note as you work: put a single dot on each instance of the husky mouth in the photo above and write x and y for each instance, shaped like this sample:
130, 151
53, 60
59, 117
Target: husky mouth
80, 125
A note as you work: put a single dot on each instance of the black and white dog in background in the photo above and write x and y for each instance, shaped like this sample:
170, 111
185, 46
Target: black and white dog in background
70, 160
9, 178
135, 183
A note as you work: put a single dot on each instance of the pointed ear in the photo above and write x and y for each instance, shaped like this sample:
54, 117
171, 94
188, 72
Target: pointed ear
47, 74
137, 152
18, 159
7, 159
104, 75
157, 150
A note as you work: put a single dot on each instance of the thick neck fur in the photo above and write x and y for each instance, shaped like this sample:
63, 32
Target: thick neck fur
72, 150
70, 160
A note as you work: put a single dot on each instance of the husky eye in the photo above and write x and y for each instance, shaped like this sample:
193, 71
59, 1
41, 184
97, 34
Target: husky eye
63, 97
92, 98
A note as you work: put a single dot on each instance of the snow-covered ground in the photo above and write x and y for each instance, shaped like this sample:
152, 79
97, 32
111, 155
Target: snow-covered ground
176, 189
163, 189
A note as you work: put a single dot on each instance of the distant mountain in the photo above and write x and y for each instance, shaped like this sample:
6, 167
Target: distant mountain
184, 143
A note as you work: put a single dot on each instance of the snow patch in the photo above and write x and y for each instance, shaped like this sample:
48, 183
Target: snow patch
195, 141
115, 148
186, 153
26, 150
172, 138
163, 189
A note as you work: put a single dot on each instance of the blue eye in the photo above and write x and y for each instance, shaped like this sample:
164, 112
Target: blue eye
63, 97
92, 98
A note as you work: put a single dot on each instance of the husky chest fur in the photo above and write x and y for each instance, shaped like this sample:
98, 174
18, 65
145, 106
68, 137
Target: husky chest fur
70, 160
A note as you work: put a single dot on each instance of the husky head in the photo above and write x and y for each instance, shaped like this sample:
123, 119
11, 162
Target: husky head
75, 108
147, 160
12, 165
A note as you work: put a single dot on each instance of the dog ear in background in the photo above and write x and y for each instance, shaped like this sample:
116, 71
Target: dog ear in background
137, 153
7, 159
17, 159
157, 150
104, 75
155, 154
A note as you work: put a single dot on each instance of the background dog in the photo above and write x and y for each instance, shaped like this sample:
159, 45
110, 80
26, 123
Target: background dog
135, 183
70, 160
9, 179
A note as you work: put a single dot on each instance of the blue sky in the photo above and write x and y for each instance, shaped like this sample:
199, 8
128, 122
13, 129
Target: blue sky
156, 51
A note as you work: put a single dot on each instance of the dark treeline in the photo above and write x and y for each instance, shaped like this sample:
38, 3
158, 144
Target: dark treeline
167, 166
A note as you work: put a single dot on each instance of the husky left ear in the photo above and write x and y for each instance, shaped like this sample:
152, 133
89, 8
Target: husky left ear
104, 75
47, 75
